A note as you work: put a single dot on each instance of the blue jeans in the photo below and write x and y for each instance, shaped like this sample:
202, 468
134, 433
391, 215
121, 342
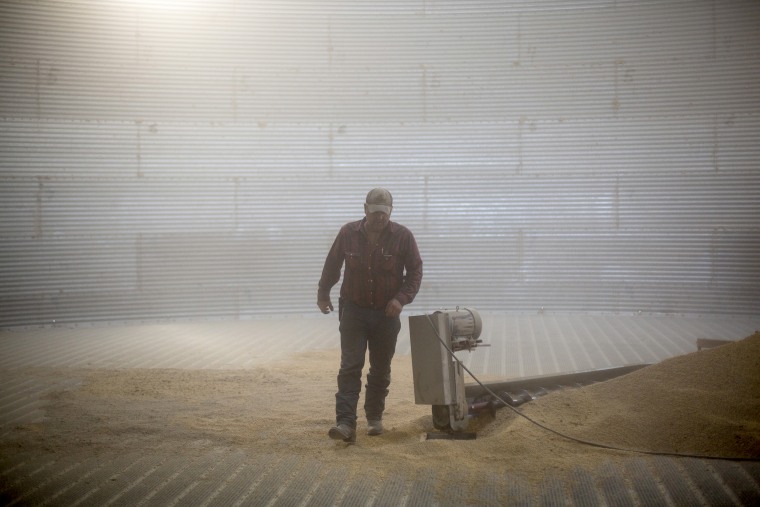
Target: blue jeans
362, 329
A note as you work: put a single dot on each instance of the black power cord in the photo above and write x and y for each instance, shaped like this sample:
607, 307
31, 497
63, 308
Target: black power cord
569, 437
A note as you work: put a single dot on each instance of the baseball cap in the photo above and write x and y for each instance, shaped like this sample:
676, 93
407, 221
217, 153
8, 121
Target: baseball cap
379, 199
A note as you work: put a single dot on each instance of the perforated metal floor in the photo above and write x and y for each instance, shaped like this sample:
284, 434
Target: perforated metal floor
521, 345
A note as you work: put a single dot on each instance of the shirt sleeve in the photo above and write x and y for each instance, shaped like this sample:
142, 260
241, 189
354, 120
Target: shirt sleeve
413, 277
331, 269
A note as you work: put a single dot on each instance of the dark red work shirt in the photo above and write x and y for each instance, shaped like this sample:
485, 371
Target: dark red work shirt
374, 274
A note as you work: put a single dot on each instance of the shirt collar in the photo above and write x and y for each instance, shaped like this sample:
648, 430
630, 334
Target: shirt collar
359, 226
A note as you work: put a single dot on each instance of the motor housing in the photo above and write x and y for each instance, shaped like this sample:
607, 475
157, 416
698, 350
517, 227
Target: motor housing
438, 376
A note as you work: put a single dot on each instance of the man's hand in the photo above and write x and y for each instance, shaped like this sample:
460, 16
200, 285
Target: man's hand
393, 308
325, 306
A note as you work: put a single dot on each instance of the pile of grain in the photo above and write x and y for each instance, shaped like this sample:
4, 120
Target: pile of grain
707, 402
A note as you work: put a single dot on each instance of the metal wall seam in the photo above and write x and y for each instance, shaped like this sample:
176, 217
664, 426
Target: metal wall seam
195, 160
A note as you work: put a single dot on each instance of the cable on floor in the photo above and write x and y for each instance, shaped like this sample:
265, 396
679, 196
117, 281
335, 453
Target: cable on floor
569, 437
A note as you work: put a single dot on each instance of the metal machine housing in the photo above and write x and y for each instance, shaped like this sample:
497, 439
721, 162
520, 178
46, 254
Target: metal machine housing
438, 376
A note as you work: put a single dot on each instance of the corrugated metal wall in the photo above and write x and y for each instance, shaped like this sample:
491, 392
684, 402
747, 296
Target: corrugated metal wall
171, 159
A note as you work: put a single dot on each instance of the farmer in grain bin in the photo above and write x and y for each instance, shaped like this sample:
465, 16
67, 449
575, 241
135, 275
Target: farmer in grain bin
383, 273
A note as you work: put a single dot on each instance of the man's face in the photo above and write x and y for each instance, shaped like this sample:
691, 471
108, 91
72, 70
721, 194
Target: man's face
376, 221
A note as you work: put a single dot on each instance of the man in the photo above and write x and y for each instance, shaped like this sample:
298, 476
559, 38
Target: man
375, 288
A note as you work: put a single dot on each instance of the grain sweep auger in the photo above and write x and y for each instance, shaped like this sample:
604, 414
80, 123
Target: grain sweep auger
439, 375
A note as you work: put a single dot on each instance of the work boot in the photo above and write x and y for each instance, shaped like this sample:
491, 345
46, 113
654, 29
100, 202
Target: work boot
343, 432
375, 427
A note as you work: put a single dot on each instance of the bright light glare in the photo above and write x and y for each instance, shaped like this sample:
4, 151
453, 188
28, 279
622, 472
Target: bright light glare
166, 4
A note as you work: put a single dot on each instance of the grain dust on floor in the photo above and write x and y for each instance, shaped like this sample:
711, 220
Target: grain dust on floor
704, 403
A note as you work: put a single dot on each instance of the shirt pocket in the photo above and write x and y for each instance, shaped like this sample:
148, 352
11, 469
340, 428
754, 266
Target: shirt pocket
388, 262
353, 260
